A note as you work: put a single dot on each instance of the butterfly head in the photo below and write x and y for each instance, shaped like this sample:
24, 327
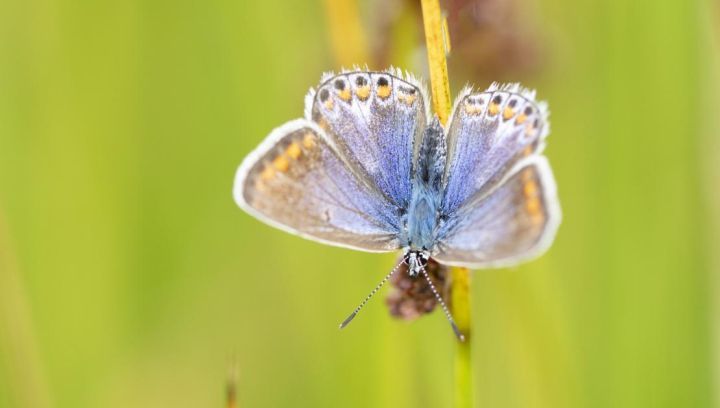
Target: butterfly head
416, 261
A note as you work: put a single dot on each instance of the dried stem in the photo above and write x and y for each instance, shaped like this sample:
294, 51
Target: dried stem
437, 45
346, 33
437, 63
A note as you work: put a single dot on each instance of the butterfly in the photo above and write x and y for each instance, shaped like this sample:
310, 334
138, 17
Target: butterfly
369, 168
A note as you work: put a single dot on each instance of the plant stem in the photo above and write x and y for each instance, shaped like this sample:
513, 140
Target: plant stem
346, 33
459, 277
437, 63
460, 308
27, 386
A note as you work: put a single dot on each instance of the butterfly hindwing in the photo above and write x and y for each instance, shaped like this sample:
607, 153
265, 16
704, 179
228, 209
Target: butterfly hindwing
514, 222
376, 120
296, 180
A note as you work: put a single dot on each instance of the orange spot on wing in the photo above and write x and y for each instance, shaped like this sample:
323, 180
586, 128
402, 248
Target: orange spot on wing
345, 94
494, 109
533, 206
363, 92
530, 189
520, 119
473, 109
384, 91
508, 113
293, 151
407, 99
281, 163
308, 140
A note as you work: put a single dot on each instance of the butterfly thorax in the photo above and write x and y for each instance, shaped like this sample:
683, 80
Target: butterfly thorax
423, 210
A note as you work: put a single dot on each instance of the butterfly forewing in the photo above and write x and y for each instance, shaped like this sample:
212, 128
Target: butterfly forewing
488, 133
376, 120
298, 182
513, 222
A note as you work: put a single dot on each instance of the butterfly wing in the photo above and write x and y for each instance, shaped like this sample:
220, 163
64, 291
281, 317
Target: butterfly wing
500, 201
376, 120
514, 222
296, 181
489, 132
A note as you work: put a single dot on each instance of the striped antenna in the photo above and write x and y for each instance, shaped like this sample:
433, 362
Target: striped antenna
374, 291
459, 335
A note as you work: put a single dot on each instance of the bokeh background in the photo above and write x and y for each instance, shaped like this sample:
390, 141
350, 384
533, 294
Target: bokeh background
128, 277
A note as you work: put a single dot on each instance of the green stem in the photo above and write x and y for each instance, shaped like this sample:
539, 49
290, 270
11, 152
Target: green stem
459, 277
460, 308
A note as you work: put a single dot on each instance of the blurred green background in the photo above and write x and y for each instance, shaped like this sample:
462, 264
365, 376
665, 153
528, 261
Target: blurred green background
128, 277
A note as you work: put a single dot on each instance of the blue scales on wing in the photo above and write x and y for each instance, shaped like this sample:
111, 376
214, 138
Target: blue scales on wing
376, 120
499, 203
514, 222
297, 181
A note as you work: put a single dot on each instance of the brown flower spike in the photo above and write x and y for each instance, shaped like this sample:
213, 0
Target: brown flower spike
412, 297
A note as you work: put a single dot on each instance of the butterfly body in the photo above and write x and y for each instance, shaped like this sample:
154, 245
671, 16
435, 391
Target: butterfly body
370, 168
423, 211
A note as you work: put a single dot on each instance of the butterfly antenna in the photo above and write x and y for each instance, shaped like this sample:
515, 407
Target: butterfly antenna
374, 291
445, 309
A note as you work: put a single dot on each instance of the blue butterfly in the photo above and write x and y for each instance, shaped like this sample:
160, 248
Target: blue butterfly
369, 168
